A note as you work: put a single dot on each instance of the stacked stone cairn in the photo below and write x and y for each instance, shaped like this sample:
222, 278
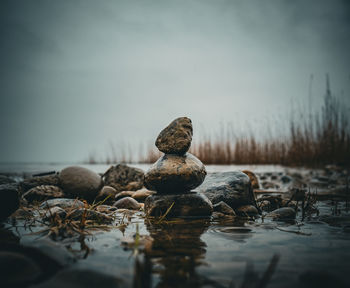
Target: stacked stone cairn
175, 174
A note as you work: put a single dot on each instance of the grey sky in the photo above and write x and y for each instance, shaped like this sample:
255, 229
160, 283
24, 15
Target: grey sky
76, 75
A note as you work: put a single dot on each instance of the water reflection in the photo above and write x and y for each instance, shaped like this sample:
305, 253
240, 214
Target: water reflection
177, 251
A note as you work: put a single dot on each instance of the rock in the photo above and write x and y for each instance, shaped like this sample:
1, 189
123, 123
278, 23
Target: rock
253, 178
77, 277
106, 209
32, 182
174, 173
122, 178
233, 188
285, 213
63, 203
142, 194
249, 210
127, 203
17, 269
223, 208
80, 182
269, 185
42, 193
53, 212
176, 137
6, 180
124, 194
185, 205
9, 202
106, 191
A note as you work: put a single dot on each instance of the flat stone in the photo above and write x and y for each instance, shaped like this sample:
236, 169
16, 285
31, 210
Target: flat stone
284, 213
80, 182
247, 210
42, 193
142, 194
233, 188
223, 208
123, 177
106, 191
124, 194
191, 204
17, 269
9, 200
176, 137
127, 203
64, 203
32, 182
173, 173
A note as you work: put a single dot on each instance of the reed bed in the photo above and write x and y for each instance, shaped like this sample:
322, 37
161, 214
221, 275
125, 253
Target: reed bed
312, 139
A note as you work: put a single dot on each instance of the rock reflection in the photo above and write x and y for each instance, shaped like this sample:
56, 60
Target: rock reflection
177, 250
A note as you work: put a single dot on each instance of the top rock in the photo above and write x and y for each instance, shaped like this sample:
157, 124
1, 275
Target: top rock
176, 137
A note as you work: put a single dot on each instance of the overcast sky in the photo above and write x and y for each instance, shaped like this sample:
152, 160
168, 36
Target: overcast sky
77, 75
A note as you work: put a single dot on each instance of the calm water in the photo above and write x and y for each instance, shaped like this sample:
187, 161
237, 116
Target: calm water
207, 253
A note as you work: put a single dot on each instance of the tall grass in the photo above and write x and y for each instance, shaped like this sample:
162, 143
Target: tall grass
320, 138
313, 139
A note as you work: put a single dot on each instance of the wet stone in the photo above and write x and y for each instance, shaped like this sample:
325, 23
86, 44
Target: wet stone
32, 182
6, 180
42, 193
63, 203
284, 213
80, 182
122, 178
106, 191
127, 203
233, 188
191, 204
247, 210
223, 208
174, 174
17, 269
53, 212
176, 138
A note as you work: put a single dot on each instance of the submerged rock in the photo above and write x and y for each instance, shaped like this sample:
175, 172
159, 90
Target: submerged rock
80, 182
78, 277
174, 173
176, 137
284, 213
32, 182
247, 210
223, 208
43, 192
17, 269
122, 178
9, 200
184, 205
127, 203
106, 191
233, 188
63, 203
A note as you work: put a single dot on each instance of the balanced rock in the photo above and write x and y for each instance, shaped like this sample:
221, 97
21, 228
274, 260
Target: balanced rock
179, 205
233, 188
123, 178
176, 137
80, 182
174, 174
